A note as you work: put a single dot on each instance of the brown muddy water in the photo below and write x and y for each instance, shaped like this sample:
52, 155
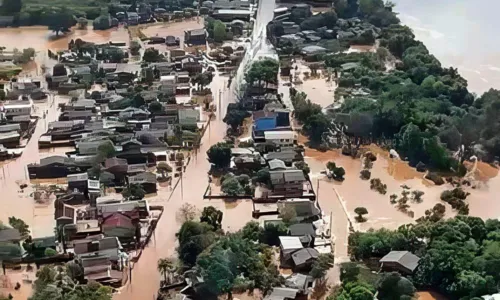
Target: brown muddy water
41, 39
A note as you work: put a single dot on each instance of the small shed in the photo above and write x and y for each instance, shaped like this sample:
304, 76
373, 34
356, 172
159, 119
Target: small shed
402, 261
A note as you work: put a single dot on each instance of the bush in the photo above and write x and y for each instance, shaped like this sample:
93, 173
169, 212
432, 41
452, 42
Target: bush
50, 252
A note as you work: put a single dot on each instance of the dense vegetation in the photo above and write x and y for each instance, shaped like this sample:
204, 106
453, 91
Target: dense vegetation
237, 261
459, 257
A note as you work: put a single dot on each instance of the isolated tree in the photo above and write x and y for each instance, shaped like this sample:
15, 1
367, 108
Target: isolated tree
417, 196
82, 23
20, 225
360, 211
165, 267
155, 107
219, 155
202, 79
212, 216
135, 47
106, 150
321, 265
339, 173
163, 168
187, 212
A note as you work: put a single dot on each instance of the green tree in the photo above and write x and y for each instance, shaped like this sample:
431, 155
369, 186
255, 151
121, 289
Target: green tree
133, 192
152, 55
163, 168
252, 231
20, 225
271, 233
288, 214
349, 272
11, 7
202, 79
235, 118
194, 237
61, 21
219, 31
165, 266
315, 126
155, 107
232, 187
135, 47
360, 211
394, 287
321, 265
212, 216
219, 155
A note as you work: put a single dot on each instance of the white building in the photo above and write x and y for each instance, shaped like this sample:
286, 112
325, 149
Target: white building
283, 139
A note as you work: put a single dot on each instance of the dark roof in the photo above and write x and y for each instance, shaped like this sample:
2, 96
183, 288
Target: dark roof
278, 177
10, 235
302, 256
197, 32
301, 229
45, 242
283, 155
54, 160
403, 258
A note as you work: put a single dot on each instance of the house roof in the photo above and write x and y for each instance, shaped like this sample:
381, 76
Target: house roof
121, 207
45, 242
275, 135
10, 235
128, 68
288, 155
117, 220
403, 258
54, 160
115, 161
301, 229
284, 176
276, 164
146, 177
290, 242
10, 127
78, 177
105, 243
302, 256
282, 294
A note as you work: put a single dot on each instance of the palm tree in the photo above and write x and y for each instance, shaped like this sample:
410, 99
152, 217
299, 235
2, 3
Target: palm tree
165, 266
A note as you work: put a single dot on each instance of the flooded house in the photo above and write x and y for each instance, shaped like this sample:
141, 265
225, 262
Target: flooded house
146, 180
195, 37
288, 183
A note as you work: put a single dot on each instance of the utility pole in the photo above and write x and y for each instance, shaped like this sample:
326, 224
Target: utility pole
317, 190
220, 106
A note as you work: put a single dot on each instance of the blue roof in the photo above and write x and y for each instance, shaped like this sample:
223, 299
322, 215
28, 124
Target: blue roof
265, 123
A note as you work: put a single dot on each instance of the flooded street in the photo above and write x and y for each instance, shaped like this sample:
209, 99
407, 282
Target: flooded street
40, 218
145, 278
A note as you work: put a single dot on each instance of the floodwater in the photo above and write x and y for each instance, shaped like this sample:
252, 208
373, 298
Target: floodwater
461, 34
41, 39
145, 278
173, 28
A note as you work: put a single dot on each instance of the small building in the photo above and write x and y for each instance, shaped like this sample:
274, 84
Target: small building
303, 259
195, 37
287, 156
404, 262
305, 231
228, 15
188, 115
289, 183
102, 246
288, 245
280, 293
133, 18
10, 235
283, 139
147, 180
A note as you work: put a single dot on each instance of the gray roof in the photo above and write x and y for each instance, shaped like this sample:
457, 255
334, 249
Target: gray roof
404, 258
282, 294
10, 235
301, 229
54, 160
10, 127
283, 155
301, 256
275, 164
145, 177
280, 177
313, 49
128, 68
